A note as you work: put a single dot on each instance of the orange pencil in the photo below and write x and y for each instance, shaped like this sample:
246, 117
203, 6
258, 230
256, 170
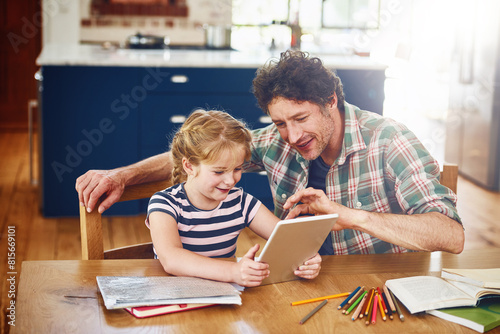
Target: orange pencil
382, 313
370, 310
369, 302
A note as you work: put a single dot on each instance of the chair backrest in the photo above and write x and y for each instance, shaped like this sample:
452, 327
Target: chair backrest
449, 176
91, 228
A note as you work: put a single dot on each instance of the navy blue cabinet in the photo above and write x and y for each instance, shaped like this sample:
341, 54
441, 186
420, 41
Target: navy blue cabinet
98, 117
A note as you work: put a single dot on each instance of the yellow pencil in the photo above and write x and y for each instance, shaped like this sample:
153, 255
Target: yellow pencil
339, 295
382, 313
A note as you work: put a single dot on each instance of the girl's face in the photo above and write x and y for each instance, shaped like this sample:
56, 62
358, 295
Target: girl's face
209, 184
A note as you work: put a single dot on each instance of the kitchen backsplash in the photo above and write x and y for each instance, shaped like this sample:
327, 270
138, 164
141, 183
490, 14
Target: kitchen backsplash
180, 29
76, 22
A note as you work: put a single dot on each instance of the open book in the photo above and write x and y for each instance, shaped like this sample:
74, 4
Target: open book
422, 293
122, 292
485, 278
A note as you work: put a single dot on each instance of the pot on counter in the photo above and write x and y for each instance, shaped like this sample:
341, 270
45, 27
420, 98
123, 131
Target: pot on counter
140, 41
217, 36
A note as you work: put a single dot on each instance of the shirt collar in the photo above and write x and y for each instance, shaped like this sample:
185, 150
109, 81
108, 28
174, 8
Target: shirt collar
353, 140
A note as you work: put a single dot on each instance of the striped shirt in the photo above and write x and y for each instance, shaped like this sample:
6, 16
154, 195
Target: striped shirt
211, 233
382, 167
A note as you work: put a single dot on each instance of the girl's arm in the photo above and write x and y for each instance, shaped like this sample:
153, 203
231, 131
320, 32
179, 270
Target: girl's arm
181, 262
263, 225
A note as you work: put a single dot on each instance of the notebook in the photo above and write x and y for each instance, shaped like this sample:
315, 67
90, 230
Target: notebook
150, 311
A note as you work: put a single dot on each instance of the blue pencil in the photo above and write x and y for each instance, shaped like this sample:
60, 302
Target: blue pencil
348, 298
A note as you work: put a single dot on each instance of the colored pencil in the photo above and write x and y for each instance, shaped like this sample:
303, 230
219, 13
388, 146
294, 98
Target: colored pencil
370, 301
389, 311
339, 295
401, 316
382, 299
366, 304
310, 314
348, 298
354, 298
357, 313
374, 311
389, 299
355, 303
381, 309
370, 310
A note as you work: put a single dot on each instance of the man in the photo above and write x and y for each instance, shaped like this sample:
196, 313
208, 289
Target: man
323, 155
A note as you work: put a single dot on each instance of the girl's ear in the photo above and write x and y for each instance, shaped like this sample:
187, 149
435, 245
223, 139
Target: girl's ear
188, 167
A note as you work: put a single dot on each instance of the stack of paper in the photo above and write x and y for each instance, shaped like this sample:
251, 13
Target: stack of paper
124, 292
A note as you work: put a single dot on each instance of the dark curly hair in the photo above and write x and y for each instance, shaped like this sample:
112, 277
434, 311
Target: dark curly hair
298, 77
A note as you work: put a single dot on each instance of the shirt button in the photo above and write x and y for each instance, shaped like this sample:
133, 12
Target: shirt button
358, 205
283, 196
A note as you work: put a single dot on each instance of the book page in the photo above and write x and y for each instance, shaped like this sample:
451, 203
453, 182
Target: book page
421, 293
489, 278
473, 290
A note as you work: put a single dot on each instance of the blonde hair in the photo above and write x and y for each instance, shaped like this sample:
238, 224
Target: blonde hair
204, 136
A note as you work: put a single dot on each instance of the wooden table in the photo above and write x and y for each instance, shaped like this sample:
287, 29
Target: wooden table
62, 297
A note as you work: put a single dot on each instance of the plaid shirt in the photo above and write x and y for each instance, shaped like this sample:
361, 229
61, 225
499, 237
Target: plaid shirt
382, 167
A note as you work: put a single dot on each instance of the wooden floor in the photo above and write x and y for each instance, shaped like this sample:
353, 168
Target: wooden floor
39, 238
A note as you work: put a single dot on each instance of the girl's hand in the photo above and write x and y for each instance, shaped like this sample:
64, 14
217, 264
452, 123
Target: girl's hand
310, 269
248, 272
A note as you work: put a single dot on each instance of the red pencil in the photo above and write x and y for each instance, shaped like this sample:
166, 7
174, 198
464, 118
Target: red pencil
381, 299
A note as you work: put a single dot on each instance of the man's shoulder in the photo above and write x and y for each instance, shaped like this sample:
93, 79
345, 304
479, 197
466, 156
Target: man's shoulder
371, 123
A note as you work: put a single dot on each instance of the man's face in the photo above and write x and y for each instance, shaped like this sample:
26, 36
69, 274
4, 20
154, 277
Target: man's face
304, 126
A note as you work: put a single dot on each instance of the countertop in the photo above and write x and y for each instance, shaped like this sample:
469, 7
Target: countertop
95, 55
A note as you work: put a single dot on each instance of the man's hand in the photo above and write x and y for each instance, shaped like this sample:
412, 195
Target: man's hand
96, 183
313, 201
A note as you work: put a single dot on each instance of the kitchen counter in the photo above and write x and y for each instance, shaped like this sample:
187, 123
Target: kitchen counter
95, 55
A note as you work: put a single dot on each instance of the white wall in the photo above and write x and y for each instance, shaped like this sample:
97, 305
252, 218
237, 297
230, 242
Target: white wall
61, 21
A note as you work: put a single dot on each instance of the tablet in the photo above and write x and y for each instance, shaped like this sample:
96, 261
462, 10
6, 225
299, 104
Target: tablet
292, 242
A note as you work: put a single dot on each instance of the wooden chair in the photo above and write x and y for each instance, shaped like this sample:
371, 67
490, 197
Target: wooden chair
449, 176
91, 228
91, 224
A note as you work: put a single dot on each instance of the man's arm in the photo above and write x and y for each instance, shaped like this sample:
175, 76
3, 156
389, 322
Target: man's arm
111, 183
430, 231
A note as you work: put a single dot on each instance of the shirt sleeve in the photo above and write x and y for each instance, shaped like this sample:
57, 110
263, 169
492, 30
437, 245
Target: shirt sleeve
162, 202
415, 174
250, 207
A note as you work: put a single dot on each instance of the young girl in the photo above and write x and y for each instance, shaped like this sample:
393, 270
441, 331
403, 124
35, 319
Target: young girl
199, 218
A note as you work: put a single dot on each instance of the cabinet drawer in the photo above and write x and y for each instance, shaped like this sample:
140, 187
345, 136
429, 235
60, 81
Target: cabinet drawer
207, 80
162, 115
